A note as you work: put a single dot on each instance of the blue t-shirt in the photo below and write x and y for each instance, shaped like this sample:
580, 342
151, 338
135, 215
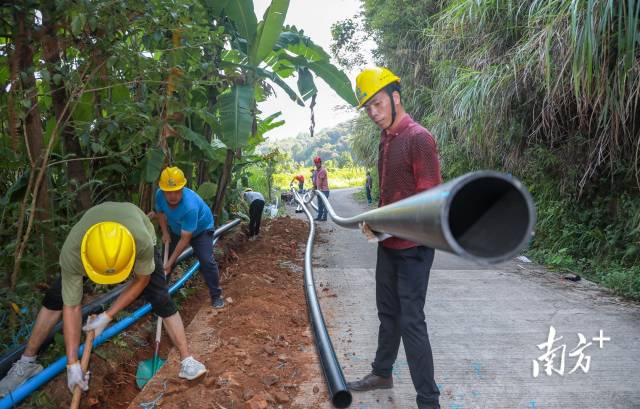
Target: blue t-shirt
191, 215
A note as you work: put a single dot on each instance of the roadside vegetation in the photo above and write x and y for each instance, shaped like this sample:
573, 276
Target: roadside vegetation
548, 91
96, 97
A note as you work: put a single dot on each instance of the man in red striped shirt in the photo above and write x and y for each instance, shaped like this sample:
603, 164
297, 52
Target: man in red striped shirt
321, 183
407, 164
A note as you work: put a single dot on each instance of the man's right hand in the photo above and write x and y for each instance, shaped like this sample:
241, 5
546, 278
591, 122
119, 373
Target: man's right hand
166, 238
76, 377
368, 233
372, 237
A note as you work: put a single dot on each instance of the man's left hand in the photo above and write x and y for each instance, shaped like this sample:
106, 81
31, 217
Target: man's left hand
97, 324
167, 267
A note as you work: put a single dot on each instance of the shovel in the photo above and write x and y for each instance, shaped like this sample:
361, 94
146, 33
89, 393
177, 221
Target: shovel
148, 368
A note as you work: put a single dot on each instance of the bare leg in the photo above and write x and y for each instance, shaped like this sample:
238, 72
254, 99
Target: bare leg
24, 369
175, 329
45, 322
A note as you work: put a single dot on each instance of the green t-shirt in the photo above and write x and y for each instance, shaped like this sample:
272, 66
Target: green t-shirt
127, 214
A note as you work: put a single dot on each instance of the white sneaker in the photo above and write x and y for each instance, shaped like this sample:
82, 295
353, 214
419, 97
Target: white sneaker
191, 369
17, 375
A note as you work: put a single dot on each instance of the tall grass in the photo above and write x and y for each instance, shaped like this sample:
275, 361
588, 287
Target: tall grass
548, 90
566, 71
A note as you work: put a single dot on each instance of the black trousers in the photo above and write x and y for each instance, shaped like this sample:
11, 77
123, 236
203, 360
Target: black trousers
255, 216
402, 278
156, 293
203, 250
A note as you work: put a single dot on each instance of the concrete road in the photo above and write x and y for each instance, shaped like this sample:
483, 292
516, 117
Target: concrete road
485, 326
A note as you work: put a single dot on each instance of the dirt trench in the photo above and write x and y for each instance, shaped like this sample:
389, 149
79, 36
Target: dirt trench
258, 350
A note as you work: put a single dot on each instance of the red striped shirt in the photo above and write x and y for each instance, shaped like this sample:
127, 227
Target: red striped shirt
407, 164
322, 182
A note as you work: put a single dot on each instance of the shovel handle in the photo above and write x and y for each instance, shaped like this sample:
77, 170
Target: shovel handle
166, 257
158, 330
84, 364
159, 325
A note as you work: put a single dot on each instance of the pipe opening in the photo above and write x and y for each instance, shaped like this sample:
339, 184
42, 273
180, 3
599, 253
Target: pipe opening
342, 399
489, 217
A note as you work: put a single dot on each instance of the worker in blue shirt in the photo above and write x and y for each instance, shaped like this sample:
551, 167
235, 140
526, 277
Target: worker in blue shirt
185, 219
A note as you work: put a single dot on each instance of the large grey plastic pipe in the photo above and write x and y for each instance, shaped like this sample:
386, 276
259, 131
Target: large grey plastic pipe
483, 216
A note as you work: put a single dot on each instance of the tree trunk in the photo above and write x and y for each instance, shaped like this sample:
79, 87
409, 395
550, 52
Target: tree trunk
225, 177
98, 60
146, 196
203, 164
11, 108
34, 137
76, 173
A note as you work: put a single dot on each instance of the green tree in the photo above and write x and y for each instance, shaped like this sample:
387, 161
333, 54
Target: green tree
97, 96
262, 51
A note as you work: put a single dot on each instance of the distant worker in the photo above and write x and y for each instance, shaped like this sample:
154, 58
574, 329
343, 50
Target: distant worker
321, 183
185, 219
300, 180
109, 242
255, 202
367, 186
407, 164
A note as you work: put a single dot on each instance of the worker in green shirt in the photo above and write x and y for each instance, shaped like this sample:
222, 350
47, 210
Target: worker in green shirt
109, 242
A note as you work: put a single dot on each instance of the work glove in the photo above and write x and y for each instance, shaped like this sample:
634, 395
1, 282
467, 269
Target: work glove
372, 236
97, 324
75, 377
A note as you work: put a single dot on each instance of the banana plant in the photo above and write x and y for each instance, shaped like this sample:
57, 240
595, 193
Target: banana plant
261, 53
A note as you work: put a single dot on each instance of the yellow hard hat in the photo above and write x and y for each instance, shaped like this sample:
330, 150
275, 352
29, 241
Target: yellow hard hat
108, 252
171, 179
372, 80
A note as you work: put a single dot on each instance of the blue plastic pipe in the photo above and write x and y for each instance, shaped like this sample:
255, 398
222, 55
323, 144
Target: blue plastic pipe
23, 391
96, 306
26, 389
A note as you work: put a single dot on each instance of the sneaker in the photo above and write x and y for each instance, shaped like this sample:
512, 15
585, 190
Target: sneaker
17, 375
218, 303
191, 369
